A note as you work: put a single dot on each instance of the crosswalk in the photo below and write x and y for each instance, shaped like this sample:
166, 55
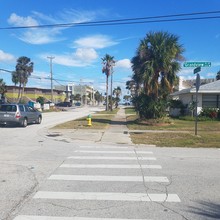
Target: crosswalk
101, 183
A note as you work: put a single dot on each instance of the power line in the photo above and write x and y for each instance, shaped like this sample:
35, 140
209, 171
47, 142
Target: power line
127, 21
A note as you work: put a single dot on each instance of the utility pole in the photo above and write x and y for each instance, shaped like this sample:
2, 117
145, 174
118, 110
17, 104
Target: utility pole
51, 77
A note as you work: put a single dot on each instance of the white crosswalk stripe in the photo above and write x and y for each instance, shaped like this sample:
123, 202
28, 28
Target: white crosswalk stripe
114, 152
138, 197
109, 167
109, 158
159, 179
30, 217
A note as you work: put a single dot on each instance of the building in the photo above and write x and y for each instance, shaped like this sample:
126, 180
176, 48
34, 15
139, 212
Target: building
32, 93
208, 95
85, 92
189, 83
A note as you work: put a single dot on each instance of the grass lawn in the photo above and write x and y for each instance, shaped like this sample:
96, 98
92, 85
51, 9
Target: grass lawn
175, 132
165, 133
101, 120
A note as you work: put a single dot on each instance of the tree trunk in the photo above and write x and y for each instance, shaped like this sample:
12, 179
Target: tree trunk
19, 93
106, 107
111, 88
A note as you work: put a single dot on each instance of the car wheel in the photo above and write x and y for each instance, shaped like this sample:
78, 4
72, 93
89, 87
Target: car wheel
38, 121
24, 123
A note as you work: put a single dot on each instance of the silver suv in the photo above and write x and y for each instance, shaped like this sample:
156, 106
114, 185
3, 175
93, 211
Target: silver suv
19, 114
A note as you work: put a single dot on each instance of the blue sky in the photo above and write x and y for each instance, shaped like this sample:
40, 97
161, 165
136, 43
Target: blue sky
77, 51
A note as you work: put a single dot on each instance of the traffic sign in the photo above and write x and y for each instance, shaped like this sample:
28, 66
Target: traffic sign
197, 69
196, 64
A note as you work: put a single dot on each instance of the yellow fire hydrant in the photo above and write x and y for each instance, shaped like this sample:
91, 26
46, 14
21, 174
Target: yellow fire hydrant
89, 119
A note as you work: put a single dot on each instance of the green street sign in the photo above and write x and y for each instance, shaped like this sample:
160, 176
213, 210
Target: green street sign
197, 69
197, 64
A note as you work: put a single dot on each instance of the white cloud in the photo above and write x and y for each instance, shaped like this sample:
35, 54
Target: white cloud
33, 35
81, 57
6, 56
95, 41
17, 20
50, 35
86, 54
125, 63
42, 36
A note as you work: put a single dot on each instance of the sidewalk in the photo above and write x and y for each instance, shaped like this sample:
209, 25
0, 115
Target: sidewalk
116, 133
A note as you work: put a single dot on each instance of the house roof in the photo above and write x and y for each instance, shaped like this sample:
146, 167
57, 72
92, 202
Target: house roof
213, 87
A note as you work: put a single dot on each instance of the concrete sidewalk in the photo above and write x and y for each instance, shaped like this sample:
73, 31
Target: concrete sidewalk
116, 133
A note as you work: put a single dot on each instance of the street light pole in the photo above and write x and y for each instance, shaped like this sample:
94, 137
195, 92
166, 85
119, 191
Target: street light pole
51, 76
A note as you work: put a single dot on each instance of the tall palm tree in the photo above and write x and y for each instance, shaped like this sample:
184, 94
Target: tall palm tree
117, 93
23, 70
108, 62
157, 62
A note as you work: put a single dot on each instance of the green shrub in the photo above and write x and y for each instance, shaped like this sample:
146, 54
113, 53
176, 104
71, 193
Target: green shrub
147, 107
211, 113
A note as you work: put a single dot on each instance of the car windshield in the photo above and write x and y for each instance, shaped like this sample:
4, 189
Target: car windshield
8, 108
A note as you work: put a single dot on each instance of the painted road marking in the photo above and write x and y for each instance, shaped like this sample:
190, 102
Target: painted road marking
159, 179
111, 166
138, 197
34, 217
104, 147
110, 158
114, 152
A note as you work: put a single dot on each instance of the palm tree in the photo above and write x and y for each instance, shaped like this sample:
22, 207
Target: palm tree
157, 62
117, 93
98, 97
218, 75
23, 70
3, 89
108, 62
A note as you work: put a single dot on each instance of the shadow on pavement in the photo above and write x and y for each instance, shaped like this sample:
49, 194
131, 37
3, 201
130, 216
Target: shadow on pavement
208, 210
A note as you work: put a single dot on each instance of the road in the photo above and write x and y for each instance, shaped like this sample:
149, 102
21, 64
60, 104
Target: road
43, 177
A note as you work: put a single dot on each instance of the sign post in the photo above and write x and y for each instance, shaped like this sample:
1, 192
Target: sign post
198, 69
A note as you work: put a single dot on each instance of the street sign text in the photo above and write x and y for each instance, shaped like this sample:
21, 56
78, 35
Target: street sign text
197, 64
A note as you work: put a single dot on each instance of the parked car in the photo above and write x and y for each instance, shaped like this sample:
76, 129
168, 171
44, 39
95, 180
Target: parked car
19, 114
64, 104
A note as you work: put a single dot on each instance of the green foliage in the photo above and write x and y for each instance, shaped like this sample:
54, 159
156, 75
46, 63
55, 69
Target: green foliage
23, 70
98, 96
155, 65
41, 100
147, 107
211, 113
176, 104
2, 87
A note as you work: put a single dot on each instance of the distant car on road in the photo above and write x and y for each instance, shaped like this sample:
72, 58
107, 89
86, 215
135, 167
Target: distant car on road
19, 114
64, 104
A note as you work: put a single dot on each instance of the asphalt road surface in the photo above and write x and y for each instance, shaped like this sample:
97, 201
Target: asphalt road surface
44, 178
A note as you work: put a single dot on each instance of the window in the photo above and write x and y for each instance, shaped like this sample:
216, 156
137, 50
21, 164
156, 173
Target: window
21, 108
8, 108
210, 101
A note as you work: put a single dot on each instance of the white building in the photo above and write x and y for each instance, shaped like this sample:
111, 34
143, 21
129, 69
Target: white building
208, 95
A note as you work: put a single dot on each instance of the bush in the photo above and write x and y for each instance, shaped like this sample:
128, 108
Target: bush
147, 107
212, 113
176, 104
